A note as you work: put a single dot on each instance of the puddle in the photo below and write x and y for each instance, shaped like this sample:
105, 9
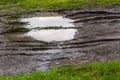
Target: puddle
50, 35
53, 35
48, 21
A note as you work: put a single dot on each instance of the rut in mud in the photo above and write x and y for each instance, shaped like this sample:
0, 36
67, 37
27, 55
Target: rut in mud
96, 38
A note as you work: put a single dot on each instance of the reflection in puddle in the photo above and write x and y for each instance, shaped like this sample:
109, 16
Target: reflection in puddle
48, 21
53, 35
50, 35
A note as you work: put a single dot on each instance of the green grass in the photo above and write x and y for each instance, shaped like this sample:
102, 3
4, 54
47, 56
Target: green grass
93, 71
52, 4
10, 1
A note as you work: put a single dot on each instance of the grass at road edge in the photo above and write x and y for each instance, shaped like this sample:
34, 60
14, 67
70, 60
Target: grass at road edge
94, 71
54, 4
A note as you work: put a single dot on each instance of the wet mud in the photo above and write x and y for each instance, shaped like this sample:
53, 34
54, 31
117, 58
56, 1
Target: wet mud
97, 39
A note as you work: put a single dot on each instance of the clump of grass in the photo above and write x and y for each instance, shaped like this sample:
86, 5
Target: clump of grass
17, 27
17, 30
93, 71
10, 1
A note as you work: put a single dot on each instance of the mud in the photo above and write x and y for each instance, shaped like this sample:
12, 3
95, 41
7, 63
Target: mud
97, 39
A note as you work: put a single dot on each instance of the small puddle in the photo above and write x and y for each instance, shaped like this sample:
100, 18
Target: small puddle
53, 35
50, 35
48, 21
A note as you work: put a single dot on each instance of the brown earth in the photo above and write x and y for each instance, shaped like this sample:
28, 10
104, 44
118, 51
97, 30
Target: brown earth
97, 39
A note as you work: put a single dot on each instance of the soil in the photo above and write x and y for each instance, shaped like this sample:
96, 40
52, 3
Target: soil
97, 39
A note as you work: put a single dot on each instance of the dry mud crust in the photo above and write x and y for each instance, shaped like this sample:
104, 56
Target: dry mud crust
97, 39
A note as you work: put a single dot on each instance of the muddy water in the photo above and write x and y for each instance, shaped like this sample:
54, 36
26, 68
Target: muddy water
48, 21
51, 34
90, 37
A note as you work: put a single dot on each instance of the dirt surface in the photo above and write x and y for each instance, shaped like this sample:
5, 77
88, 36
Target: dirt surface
97, 39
